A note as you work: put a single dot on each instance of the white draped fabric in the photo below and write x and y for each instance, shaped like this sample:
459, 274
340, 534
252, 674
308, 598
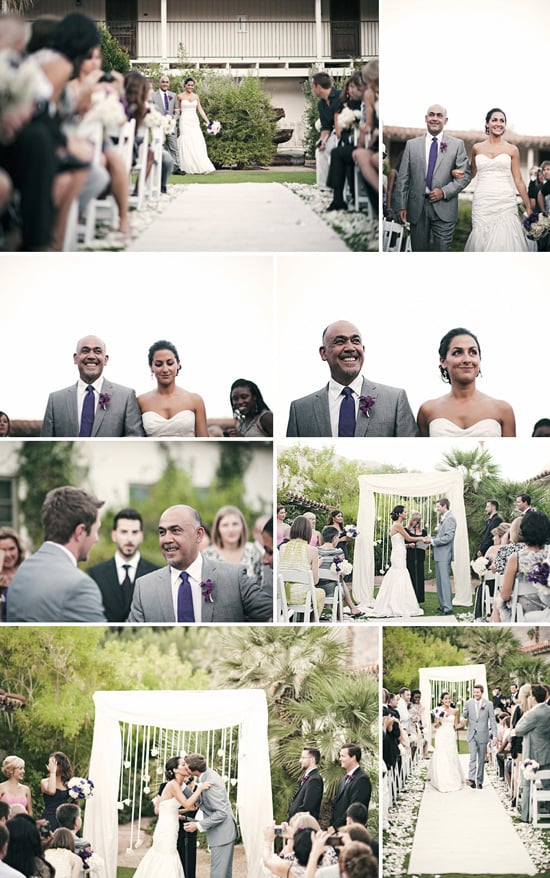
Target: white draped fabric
185, 711
448, 484
456, 678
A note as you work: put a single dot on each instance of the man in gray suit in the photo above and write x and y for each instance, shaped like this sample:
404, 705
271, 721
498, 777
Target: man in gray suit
166, 103
482, 726
534, 727
192, 588
425, 192
350, 405
49, 587
92, 406
218, 821
443, 544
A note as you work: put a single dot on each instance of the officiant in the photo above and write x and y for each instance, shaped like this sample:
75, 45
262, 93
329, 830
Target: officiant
416, 552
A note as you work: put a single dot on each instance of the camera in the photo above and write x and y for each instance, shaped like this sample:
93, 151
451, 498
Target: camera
335, 841
107, 77
278, 830
44, 829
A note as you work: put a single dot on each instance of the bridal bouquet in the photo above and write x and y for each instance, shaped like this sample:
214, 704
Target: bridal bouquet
340, 565
351, 531
479, 566
17, 80
529, 768
106, 109
80, 788
536, 226
439, 712
348, 118
214, 127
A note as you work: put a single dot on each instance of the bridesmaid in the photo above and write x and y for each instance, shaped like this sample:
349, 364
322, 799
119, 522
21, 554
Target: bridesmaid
12, 790
416, 554
54, 787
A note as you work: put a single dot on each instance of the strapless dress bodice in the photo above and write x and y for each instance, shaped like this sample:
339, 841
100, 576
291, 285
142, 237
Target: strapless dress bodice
180, 424
485, 427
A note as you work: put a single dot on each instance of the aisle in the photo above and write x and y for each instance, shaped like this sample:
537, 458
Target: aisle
237, 217
468, 832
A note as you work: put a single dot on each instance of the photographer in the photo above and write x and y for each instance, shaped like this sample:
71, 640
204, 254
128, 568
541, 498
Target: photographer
356, 859
292, 860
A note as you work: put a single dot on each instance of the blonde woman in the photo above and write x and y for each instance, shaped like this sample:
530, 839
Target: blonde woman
12, 790
229, 541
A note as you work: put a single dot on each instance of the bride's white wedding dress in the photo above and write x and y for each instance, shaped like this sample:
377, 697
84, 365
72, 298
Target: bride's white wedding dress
396, 596
483, 428
445, 773
495, 220
191, 144
181, 424
162, 859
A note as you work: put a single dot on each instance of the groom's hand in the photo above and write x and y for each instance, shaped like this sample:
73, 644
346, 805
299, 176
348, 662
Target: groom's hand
436, 195
191, 826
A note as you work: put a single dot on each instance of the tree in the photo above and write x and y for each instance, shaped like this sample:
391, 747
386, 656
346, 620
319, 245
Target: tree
406, 650
114, 57
495, 647
41, 467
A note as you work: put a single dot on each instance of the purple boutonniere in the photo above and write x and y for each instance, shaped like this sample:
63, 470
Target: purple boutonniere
365, 404
104, 400
482, 707
443, 146
207, 588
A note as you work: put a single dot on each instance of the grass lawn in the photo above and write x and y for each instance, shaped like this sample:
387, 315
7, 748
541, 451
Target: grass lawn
259, 176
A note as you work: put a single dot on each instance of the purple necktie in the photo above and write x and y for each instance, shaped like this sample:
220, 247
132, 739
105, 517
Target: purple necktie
88, 413
346, 419
432, 158
186, 612
166, 101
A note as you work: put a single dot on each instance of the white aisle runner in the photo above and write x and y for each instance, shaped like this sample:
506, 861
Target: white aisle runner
468, 832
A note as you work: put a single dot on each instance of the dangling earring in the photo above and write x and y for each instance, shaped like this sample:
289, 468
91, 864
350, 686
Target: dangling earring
444, 374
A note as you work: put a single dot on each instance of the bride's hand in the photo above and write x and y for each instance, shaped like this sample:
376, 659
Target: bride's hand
205, 785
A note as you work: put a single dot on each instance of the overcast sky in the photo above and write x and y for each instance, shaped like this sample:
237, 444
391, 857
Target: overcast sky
216, 309
403, 307
470, 57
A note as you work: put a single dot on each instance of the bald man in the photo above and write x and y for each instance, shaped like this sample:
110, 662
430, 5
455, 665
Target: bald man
350, 404
92, 406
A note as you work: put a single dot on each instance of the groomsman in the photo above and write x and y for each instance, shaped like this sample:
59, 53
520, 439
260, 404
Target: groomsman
309, 793
355, 786
493, 520
166, 103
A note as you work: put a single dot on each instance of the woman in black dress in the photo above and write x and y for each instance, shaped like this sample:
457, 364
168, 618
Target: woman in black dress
54, 787
416, 554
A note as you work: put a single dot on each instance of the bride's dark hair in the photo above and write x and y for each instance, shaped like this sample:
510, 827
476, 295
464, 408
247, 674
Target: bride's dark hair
170, 767
163, 345
396, 512
489, 114
445, 344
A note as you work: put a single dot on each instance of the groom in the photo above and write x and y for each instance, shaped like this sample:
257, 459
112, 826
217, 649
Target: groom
425, 193
443, 544
482, 725
218, 822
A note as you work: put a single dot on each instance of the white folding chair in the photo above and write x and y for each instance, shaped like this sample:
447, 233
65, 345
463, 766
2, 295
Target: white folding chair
336, 600
309, 604
539, 796
153, 182
521, 587
282, 607
139, 170
392, 236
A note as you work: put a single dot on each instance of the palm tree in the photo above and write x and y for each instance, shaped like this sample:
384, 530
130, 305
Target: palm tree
19, 6
476, 466
496, 647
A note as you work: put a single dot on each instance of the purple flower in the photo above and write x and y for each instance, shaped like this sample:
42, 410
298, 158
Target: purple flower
365, 404
443, 146
104, 400
539, 573
482, 707
207, 588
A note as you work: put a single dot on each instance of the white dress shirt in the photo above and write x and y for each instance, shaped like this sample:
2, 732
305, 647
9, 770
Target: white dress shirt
335, 400
132, 564
194, 572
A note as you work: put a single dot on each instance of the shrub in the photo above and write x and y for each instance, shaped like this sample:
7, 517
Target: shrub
114, 58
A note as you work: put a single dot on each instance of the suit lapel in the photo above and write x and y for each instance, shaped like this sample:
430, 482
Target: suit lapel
100, 413
209, 568
321, 413
441, 152
362, 423
72, 412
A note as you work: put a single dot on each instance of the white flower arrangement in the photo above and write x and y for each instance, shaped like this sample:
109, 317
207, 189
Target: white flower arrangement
106, 109
80, 788
479, 565
351, 531
348, 118
344, 567
168, 125
18, 79
214, 127
529, 768
153, 119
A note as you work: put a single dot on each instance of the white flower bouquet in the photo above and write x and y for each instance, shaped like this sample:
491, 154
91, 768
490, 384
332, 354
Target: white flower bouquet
351, 531
18, 79
106, 109
214, 127
168, 125
153, 119
439, 713
529, 768
80, 788
348, 118
479, 566
344, 567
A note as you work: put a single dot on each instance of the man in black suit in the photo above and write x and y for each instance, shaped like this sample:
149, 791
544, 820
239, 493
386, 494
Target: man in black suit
116, 577
355, 786
493, 520
309, 794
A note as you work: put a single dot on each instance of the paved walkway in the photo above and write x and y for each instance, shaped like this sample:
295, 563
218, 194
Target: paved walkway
468, 832
236, 217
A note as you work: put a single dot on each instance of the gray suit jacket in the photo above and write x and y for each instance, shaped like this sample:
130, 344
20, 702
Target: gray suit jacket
235, 597
218, 821
410, 185
120, 417
444, 539
391, 414
158, 101
49, 588
535, 728
485, 723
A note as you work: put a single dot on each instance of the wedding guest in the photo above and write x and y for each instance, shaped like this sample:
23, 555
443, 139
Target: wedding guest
524, 702
170, 410
542, 427
366, 154
299, 554
12, 790
416, 554
139, 91
283, 529
491, 522
5, 425
116, 577
230, 542
415, 712
93, 406
536, 180
350, 404
60, 854
69, 816
54, 787
267, 537
523, 503
488, 581
294, 854
253, 417
464, 411
535, 532
341, 161
49, 587
534, 727
330, 553
323, 89
315, 534
355, 860
13, 555
25, 850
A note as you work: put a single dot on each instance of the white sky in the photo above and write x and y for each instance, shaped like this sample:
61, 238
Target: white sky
216, 309
403, 307
519, 459
469, 57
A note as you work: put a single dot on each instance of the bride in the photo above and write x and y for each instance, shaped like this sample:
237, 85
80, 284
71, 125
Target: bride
464, 411
396, 596
170, 410
192, 147
495, 222
445, 772
163, 858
